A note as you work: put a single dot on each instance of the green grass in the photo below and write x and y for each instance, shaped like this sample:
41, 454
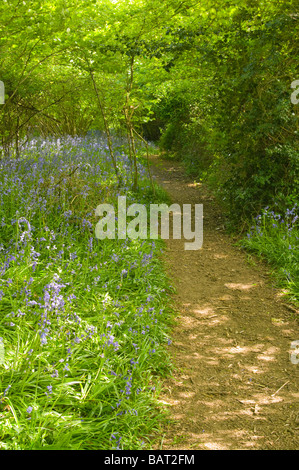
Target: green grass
84, 323
275, 238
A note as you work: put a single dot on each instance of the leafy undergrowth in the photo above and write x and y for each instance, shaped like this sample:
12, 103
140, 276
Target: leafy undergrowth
275, 237
84, 323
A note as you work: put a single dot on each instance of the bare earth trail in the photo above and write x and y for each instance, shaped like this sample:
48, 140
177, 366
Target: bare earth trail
235, 386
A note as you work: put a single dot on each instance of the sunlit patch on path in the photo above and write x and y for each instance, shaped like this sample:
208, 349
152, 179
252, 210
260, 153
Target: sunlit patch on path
235, 386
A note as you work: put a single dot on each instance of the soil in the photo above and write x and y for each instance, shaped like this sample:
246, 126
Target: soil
234, 386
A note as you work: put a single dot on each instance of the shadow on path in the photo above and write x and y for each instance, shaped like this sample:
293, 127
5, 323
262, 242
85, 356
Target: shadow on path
235, 386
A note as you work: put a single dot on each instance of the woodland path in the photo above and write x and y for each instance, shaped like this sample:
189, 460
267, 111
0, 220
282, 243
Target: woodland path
234, 387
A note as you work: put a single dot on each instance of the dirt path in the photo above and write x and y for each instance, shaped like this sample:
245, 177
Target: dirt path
235, 386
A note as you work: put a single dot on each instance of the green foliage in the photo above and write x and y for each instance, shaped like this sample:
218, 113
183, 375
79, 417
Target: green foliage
275, 237
214, 81
84, 322
232, 120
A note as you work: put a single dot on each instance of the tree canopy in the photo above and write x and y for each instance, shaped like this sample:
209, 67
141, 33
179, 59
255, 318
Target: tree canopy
210, 79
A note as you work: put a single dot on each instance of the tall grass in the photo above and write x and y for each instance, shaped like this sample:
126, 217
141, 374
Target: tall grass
275, 237
84, 323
